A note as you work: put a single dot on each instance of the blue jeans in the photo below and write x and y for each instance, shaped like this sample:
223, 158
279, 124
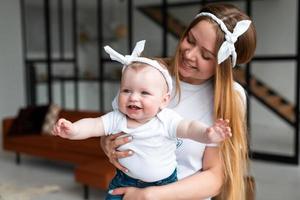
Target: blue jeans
123, 180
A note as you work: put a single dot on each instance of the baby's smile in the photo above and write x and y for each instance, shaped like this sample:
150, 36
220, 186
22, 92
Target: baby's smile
134, 107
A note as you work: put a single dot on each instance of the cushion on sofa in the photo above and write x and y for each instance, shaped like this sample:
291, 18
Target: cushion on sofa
50, 118
29, 120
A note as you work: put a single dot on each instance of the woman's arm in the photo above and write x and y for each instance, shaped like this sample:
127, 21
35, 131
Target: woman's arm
203, 184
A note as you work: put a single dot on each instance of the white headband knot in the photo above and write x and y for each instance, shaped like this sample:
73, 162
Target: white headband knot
135, 57
231, 38
227, 48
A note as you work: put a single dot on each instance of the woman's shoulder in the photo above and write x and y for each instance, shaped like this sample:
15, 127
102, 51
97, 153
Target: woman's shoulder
168, 62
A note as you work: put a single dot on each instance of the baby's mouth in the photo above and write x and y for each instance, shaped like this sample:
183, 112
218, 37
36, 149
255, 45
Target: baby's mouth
134, 107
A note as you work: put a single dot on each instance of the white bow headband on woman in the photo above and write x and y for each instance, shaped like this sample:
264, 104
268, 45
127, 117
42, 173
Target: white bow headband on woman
227, 48
134, 57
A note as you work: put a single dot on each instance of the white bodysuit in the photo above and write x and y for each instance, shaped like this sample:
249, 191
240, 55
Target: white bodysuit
154, 144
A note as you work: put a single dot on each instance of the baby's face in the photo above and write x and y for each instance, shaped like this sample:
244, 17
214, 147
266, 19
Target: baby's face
143, 93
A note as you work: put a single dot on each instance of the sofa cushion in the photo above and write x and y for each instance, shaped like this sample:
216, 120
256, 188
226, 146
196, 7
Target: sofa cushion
29, 120
50, 119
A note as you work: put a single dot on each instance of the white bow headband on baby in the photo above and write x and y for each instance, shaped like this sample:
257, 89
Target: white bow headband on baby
134, 57
227, 48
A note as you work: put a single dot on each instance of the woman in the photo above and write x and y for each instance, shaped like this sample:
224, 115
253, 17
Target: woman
203, 69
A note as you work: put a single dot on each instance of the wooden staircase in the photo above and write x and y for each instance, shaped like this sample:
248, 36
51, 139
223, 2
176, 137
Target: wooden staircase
175, 27
263, 93
267, 96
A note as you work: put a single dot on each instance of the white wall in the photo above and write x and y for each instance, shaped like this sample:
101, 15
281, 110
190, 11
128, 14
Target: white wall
276, 24
12, 89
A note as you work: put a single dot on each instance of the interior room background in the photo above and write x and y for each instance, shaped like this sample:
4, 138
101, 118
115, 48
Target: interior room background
276, 23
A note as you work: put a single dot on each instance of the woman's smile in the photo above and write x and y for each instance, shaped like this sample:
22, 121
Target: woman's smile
186, 66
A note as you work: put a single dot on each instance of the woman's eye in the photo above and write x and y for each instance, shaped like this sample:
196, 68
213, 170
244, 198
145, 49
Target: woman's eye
206, 57
189, 39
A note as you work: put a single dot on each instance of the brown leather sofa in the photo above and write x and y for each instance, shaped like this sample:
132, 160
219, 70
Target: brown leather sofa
92, 167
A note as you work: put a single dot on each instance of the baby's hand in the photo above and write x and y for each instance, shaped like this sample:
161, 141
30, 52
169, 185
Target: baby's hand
219, 131
63, 128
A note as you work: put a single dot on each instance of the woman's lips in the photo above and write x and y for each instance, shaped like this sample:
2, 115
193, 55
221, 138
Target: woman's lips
186, 66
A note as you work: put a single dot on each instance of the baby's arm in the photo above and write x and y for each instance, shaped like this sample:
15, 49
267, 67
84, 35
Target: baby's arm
81, 129
200, 132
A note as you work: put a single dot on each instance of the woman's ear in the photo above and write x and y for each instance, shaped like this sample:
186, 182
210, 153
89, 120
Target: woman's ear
165, 101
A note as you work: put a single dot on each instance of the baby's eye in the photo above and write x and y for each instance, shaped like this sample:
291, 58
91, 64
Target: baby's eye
126, 91
145, 93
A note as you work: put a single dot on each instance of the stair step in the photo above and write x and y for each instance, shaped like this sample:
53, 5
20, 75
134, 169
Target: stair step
274, 100
174, 25
260, 90
288, 111
267, 95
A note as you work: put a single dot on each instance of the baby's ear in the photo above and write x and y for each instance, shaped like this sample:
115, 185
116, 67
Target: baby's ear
165, 101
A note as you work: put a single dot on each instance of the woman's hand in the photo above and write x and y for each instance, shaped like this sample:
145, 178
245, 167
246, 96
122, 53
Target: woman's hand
110, 144
132, 193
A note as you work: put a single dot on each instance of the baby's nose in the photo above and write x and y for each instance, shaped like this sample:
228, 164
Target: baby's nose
134, 96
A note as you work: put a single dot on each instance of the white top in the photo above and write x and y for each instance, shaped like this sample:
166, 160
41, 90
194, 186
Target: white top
196, 104
154, 144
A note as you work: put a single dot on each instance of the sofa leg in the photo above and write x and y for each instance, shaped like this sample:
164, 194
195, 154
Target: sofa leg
86, 192
18, 158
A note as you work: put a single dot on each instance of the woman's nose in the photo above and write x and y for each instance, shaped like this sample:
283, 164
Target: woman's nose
191, 53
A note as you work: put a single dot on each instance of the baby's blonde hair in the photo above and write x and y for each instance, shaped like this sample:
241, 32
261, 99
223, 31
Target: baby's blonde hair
139, 66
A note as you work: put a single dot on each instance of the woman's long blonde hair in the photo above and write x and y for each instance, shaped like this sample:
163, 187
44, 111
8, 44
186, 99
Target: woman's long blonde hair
227, 102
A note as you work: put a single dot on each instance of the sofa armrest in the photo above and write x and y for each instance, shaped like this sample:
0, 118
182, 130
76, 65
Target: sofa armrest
6, 125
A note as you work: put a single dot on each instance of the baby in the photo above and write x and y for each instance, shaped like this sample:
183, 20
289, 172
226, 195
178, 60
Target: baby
141, 112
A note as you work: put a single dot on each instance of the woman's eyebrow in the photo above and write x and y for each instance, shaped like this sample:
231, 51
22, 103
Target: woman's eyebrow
208, 51
190, 34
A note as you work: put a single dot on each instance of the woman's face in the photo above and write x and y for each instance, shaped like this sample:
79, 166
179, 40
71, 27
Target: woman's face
197, 61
